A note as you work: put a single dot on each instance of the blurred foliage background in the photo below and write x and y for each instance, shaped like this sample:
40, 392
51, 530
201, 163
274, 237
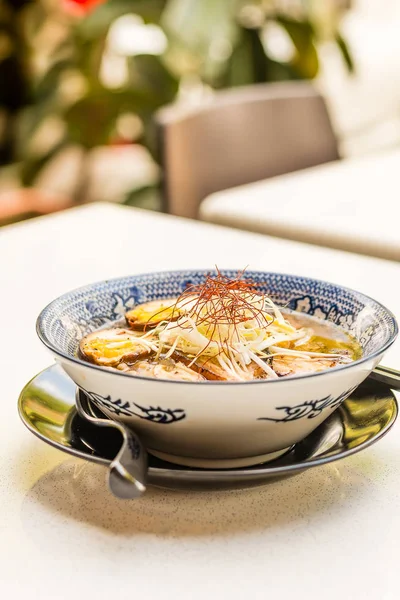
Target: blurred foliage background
80, 80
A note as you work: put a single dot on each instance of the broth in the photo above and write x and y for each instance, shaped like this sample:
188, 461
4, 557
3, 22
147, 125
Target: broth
242, 337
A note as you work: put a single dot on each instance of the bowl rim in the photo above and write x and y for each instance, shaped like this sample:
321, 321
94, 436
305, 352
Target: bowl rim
45, 340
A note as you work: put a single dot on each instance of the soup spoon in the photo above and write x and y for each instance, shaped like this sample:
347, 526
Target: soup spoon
127, 473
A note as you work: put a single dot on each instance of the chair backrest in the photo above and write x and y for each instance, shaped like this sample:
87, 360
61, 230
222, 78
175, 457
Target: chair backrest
240, 136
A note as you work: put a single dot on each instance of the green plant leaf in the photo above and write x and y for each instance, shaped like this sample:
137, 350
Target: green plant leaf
200, 33
196, 25
30, 119
345, 51
149, 74
88, 56
30, 168
148, 197
248, 62
98, 21
47, 86
91, 119
302, 34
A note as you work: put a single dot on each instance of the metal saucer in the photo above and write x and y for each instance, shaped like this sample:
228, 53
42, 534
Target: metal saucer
47, 408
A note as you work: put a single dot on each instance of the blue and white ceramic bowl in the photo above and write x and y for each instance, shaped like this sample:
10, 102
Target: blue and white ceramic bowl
216, 424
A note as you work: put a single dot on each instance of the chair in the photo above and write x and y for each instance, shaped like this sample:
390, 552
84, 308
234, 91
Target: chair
242, 135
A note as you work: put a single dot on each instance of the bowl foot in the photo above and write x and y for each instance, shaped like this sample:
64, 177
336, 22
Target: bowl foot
226, 463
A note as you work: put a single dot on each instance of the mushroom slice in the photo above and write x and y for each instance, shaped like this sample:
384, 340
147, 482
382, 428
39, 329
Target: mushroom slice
172, 370
203, 365
293, 365
257, 372
109, 347
209, 368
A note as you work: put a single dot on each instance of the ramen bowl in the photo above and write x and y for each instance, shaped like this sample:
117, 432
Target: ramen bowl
216, 424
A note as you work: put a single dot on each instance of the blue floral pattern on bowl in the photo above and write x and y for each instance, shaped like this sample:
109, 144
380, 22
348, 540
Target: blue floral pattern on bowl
119, 407
310, 409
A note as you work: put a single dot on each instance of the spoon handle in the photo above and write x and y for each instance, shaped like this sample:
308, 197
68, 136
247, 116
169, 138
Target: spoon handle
128, 471
127, 474
390, 377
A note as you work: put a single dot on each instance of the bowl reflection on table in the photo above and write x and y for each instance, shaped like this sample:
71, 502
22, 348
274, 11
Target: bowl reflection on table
212, 423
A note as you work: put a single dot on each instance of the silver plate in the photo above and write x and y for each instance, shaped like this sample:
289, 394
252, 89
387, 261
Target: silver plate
47, 408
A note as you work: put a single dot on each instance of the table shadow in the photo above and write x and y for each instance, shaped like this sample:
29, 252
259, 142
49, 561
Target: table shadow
76, 490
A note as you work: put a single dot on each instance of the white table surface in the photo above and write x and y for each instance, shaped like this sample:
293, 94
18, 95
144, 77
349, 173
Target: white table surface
352, 204
332, 532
